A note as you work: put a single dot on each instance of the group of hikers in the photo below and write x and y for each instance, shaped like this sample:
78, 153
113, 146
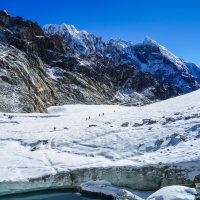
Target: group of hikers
88, 118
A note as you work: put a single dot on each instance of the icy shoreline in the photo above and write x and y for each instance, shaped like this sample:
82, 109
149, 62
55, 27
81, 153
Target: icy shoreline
105, 190
149, 178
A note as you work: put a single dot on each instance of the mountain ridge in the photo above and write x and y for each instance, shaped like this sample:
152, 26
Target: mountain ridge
77, 67
124, 48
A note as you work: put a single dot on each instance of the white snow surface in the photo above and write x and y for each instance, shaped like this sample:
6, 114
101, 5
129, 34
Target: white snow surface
174, 192
104, 187
167, 132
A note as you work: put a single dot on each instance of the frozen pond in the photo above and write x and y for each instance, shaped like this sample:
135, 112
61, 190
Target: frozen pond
49, 195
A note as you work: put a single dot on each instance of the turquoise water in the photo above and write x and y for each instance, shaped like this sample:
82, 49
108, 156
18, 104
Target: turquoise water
49, 195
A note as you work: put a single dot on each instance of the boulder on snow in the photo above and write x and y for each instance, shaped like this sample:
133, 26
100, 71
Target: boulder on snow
137, 124
149, 121
125, 124
174, 192
92, 125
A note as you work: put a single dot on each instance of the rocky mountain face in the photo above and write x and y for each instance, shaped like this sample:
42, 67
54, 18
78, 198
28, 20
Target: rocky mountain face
148, 56
60, 65
25, 86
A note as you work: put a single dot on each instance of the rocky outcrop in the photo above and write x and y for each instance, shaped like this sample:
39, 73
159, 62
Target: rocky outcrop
24, 83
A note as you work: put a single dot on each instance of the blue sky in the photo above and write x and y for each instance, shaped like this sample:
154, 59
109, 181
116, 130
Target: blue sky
173, 23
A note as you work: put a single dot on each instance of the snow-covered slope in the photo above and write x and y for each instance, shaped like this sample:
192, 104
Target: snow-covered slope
140, 147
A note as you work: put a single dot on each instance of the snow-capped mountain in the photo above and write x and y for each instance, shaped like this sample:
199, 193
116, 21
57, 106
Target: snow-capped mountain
148, 56
82, 42
38, 70
169, 68
59, 64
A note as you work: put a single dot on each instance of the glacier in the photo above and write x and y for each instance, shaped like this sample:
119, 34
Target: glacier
143, 148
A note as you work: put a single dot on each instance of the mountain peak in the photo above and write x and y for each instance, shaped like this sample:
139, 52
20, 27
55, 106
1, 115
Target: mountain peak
70, 28
4, 12
149, 41
119, 43
83, 42
60, 28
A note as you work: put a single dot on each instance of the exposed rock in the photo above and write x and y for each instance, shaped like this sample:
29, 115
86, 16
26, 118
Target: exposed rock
92, 125
197, 179
149, 121
24, 84
168, 120
137, 124
125, 124
4, 18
